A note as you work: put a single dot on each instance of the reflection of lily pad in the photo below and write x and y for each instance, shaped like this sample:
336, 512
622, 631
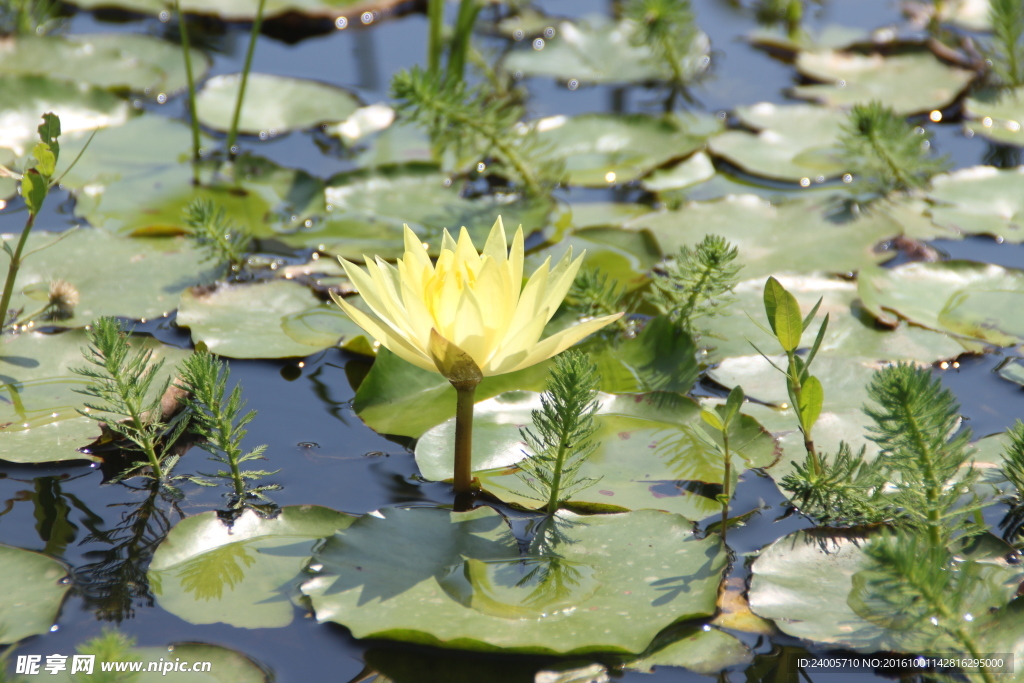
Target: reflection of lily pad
244, 575
792, 142
909, 83
595, 50
34, 588
976, 300
424, 575
652, 453
272, 104
997, 115
122, 60
150, 274
39, 421
851, 330
795, 236
981, 200
604, 149
80, 107
266, 320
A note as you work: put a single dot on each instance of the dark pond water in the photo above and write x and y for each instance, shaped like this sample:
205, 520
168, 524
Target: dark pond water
326, 455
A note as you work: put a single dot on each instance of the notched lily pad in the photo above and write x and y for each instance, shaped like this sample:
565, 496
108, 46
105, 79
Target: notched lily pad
34, 588
596, 50
459, 580
272, 104
245, 575
981, 200
910, 83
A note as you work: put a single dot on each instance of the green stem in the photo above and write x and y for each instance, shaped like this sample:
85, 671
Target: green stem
506, 150
233, 132
894, 168
794, 380
727, 485
468, 11
933, 488
435, 14
556, 483
186, 50
146, 440
463, 473
12, 269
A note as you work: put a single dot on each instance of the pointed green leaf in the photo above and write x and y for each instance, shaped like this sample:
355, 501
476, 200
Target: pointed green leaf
712, 419
814, 312
46, 162
49, 131
783, 314
733, 403
33, 190
812, 396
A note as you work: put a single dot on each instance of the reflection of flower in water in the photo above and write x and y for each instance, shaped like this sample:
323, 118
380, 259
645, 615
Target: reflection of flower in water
206, 575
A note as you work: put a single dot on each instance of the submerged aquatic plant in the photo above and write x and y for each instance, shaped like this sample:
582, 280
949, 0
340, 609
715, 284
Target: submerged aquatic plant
467, 317
594, 294
221, 239
563, 429
721, 420
1006, 54
667, 28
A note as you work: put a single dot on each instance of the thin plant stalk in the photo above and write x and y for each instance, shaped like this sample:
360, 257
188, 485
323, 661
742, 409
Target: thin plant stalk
468, 11
727, 483
463, 471
12, 268
435, 15
794, 378
186, 50
233, 132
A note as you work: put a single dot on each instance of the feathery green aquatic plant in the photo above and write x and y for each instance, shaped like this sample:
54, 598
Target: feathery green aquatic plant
223, 240
1006, 52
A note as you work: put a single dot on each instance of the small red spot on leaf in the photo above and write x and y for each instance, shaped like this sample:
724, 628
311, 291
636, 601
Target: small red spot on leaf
624, 435
604, 492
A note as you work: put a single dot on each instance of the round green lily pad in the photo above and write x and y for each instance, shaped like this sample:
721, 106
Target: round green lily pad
696, 169
980, 200
606, 583
243, 10
39, 419
34, 588
997, 115
272, 104
245, 575
792, 142
910, 83
652, 452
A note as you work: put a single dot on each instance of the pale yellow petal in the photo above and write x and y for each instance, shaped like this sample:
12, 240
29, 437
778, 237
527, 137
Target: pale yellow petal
559, 283
466, 255
469, 333
447, 243
515, 259
516, 347
386, 287
560, 341
366, 288
415, 256
496, 247
530, 300
393, 343
420, 320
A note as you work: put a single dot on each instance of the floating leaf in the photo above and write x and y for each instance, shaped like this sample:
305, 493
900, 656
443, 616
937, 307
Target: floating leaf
975, 300
458, 580
605, 149
910, 83
139, 63
796, 236
596, 50
996, 115
34, 588
623, 255
981, 200
652, 453
272, 104
829, 37
245, 575
80, 107
790, 142
705, 652
697, 169
39, 420
243, 10
272, 319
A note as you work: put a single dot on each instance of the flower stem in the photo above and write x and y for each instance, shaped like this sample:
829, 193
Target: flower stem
186, 50
464, 436
12, 269
727, 482
233, 133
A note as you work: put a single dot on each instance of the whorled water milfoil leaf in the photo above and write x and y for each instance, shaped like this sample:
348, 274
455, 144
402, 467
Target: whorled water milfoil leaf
652, 453
596, 50
245, 575
39, 419
910, 83
34, 588
459, 580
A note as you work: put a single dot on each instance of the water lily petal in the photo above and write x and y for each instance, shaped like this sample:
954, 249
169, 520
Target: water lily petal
558, 288
470, 334
366, 287
447, 243
400, 347
452, 362
560, 341
496, 247
515, 258
517, 346
530, 299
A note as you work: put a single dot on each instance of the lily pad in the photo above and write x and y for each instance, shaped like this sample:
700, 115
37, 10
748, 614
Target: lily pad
910, 83
981, 200
697, 169
606, 149
272, 104
651, 453
34, 588
596, 50
829, 37
465, 584
133, 62
796, 236
705, 652
804, 582
275, 319
974, 300
398, 398
80, 107
39, 420
791, 142
242, 10
997, 115
851, 331
245, 575
1012, 370
623, 255
151, 273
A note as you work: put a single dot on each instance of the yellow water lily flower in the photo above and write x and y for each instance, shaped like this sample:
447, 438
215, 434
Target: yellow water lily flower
467, 304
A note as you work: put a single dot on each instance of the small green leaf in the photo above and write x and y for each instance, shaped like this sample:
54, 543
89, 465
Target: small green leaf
733, 404
33, 190
49, 131
7, 248
814, 312
812, 396
712, 419
783, 314
46, 162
